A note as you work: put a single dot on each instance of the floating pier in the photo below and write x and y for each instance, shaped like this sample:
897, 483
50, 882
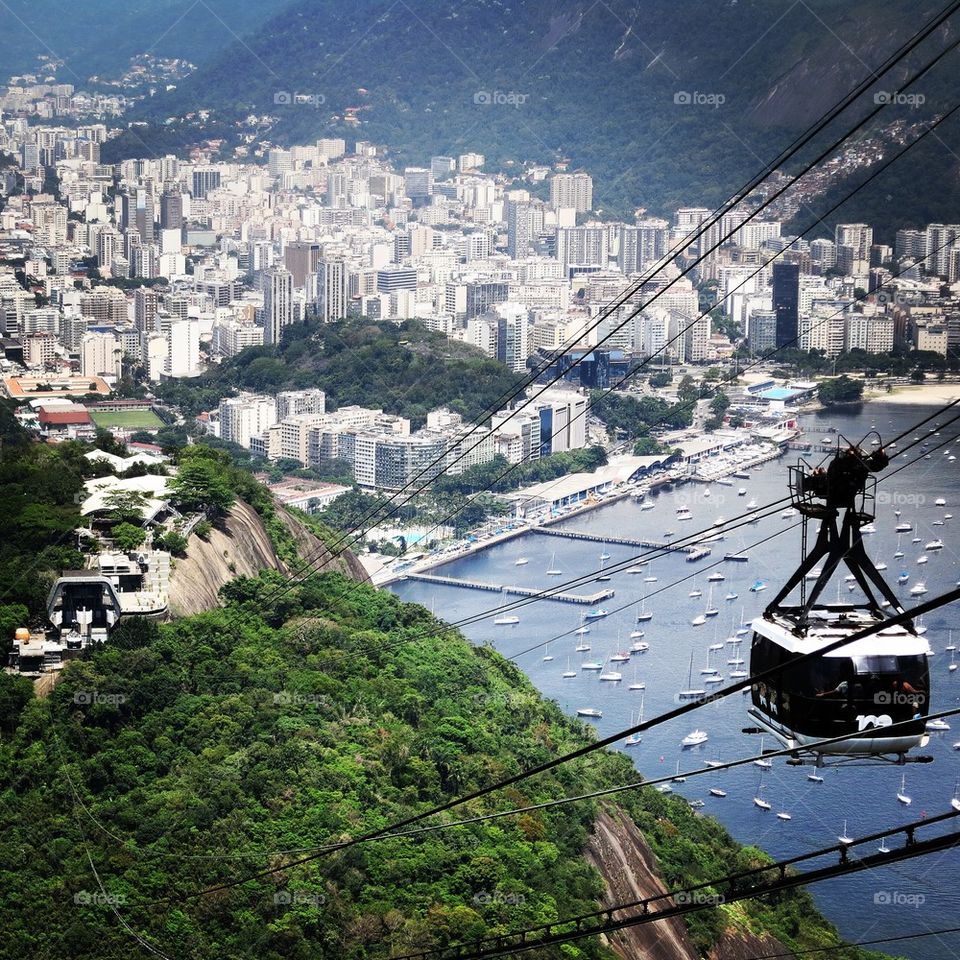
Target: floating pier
592, 598
693, 553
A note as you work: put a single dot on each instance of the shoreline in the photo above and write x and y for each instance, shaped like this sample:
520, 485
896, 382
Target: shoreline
921, 394
386, 577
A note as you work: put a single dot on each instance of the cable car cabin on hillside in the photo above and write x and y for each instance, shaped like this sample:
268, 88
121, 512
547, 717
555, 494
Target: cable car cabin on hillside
858, 690
861, 688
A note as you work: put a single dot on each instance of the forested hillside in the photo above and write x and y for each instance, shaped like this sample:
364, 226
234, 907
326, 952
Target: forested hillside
666, 104
404, 369
288, 721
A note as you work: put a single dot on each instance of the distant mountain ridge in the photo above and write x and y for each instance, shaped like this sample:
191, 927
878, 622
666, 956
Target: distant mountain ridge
664, 103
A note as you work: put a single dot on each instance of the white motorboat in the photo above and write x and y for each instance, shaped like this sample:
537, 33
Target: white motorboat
695, 738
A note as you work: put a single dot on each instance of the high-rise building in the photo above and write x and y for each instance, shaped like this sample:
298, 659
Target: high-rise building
245, 416
204, 181
763, 331
441, 167
145, 310
786, 303
183, 353
482, 295
911, 244
572, 191
100, 355
524, 223
137, 212
331, 147
291, 403
279, 162
643, 245
512, 330
331, 289
394, 279
856, 235
939, 238
417, 183
108, 247
300, 258
583, 247
277, 303
823, 252
171, 210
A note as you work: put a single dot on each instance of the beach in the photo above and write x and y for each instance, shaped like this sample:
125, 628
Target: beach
929, 394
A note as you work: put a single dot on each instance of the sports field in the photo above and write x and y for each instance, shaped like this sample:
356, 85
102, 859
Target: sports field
127, 419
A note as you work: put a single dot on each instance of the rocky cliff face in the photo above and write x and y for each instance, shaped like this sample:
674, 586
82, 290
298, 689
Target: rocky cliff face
242, 548
620, 853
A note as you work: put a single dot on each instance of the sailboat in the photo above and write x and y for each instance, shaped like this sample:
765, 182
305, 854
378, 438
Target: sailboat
696, 591
844, 838
758, 800
601, 576
644, 615
761, 760
783, 815
883, 848
902, 796
691, 693
553, 570
520, 562
603, 552
636, 684
676, 777
635, 738
814, 778
568, 674
898, 554
547, 656
711, 610
505, 619
650, 577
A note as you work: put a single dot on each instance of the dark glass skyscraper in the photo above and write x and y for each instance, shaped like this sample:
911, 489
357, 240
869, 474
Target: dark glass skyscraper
786, 303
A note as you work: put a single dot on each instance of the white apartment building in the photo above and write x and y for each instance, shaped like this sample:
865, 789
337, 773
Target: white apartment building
245, 416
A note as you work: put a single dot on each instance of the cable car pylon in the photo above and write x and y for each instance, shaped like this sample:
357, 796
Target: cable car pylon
861, 688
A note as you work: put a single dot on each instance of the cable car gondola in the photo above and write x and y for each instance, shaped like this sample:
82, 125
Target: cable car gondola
860, 688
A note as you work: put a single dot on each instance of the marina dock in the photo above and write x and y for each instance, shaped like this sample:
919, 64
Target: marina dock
693, 553
591, 598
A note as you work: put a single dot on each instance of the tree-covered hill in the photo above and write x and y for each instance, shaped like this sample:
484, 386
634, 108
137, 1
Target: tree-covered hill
404, 369
110, 32
190, 754
665, 103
